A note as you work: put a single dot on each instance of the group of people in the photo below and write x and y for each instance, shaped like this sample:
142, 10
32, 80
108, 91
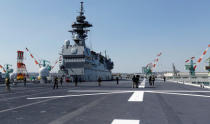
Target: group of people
135, 80
8, 82
152, 80
57, 80
75, 80
100, 80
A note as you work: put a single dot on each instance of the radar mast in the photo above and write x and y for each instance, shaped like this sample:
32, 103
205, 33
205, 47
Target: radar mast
80, 28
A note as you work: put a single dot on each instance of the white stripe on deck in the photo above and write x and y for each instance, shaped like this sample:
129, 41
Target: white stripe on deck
137, 96
181, 94
92, 94
123, 121
23, 106
142, 85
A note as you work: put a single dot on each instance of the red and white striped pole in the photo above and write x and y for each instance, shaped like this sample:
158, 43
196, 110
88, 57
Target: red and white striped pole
156, 60
36, 62
189, 59
200, 59
59, 59
1, 67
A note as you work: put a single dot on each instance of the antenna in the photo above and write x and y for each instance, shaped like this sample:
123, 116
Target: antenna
81, 9
89, 41
90, 38
105, 53
174, 69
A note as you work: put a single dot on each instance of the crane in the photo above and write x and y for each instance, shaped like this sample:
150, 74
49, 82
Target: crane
175, 71
7, 70
148, 69
208, 66
191, 66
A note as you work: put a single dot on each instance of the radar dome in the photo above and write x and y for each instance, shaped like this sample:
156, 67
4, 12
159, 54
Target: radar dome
43, 72
74, 50
76, 37
67, 42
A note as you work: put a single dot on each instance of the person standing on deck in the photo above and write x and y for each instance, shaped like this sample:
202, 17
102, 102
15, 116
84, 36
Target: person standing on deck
99, 81
76, 81
150, 80
24, 82
55, 83
164, 78
137, 81
117, 79
61, 81
134, 80
153, 80
7, 82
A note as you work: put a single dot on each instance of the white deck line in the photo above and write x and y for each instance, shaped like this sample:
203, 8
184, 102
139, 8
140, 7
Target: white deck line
93, 94
142, 83
23, 106
123, 121
181, 94
137, 96
190, 84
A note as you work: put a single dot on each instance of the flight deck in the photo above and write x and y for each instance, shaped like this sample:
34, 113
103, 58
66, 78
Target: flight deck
166, 103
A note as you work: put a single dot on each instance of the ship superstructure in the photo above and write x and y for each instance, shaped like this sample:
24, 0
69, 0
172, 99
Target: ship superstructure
78, 60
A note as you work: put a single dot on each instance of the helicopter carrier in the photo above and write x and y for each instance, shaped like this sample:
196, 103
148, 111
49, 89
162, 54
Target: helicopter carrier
80, 61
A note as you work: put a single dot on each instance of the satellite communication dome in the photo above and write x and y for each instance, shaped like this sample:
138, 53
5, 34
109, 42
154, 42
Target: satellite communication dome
67, 42
43, 72
13, 76
74, 50
76, 37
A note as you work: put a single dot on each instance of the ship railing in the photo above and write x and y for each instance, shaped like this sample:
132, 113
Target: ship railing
195, 80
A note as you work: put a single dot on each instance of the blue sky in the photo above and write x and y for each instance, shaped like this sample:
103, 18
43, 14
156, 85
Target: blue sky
132, 31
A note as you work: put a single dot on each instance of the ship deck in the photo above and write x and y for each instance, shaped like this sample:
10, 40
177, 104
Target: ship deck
166, 103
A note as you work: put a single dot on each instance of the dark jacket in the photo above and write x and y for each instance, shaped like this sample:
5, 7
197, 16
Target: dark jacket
99, 79
134, 79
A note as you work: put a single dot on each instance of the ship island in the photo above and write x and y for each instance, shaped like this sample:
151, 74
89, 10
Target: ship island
79, 61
